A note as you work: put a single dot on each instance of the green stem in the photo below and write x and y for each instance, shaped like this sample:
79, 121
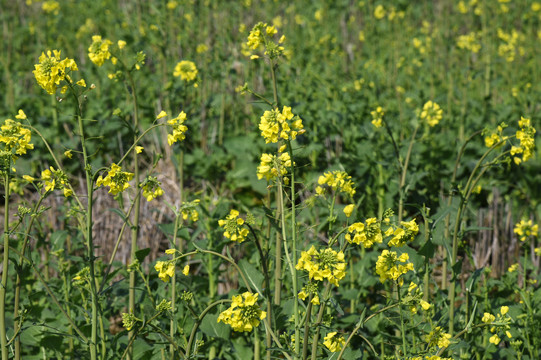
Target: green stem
137, 206
5, 267
307, 328
403, 175
402, 329
173, 322
198, 322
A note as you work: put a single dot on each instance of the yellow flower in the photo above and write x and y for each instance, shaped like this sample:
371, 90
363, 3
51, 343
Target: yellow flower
21, 115
526, 229
233, 226
488, 318
116, 179
367, 233
98, 51
68, 154
179, 129
504, 310
201, 48
377, 116
437, 337
379, 12
121, 44
28, 178
165, 269
271, 166
276, 125
512, 268
431, 113
494, 339
16, 138
186, 270
334, 343
151, 188
139, 149
336, 180
348, 209
51, 70
162, 114
325, 264
244, 313
170, 251
189, 210
392, 266
425, 305
186, 70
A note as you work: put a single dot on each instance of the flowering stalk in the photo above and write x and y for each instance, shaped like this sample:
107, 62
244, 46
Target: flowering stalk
402, 331
403, 175
470, 184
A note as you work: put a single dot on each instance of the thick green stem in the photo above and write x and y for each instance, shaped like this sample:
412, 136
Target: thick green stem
403, 175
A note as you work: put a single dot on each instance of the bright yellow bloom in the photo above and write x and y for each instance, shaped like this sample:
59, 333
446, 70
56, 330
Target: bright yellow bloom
121, 44
504, 310
162, 114
16, 138
244, 313
494, 339
271, 166
189, 210
28, 178
526, 229
186, 70
336, 180
392, 266
325, 264
276, 125
21, 115
348, 209
179, 129
68, 154
437, 337
377, 117
186, 270
51, 70
513, 268
431, 113
488, 318
334, 343
527, 142
98, 51
402, 235
51, 6
165, 269
379, 12
139, 149
368, 233
116, 179
233, 226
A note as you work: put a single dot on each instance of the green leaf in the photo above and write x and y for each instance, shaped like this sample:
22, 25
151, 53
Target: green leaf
211, 327
142, 254
427, 250
254, 276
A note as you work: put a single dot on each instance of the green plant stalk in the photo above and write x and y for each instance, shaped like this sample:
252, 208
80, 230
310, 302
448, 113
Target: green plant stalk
307, 328
16, 325
173, 323
470, 184
294, 247
315, 338
5, 267
198, 322
53, 297
403, 175
88, 230
359, 325
447, 233
137, 206
402, 329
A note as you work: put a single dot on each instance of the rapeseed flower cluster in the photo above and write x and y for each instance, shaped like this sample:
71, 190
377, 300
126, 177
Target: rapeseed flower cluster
500, 324
151, 188
526, 229
98, 51
116, 179
51, 70
496, 136
428, 357
244, 313
310, 289
15, 136
189, 210
392, 266
276, 125
186, 70
337, 181
178, 127
509, 47
469, 42
233, 226
377, 117
55, 179
272, 166
325, 264
414, 298
404, 234
333, 342
261, 36
431, 113
438, 338
527, 141
366, 233
165, 269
